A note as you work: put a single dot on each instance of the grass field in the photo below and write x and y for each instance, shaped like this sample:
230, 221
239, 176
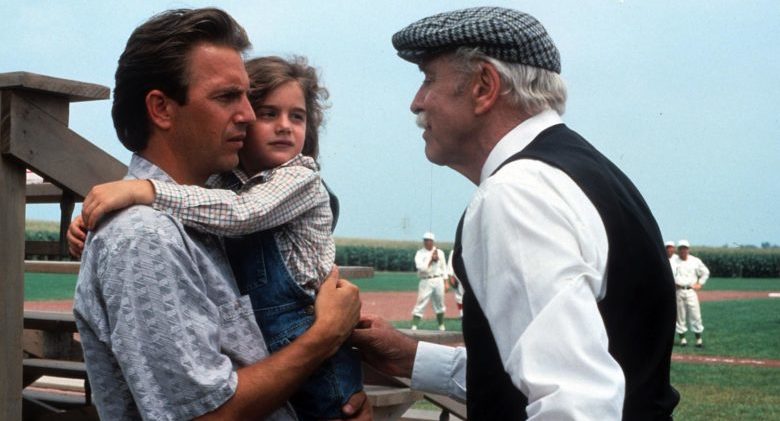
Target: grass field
749, 329
721, 392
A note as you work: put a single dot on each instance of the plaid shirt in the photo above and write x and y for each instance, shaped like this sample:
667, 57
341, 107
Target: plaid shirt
290, 197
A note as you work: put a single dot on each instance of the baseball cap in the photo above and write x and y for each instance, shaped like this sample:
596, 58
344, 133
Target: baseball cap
669, 244
429, 236
683, 243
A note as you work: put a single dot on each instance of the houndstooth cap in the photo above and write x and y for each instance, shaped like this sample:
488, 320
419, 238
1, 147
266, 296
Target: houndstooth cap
505, 34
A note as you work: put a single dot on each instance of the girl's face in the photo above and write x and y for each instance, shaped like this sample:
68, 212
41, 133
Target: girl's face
279, 132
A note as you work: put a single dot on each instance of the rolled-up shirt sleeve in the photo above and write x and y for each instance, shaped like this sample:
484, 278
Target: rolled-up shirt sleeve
440, 369
163, 330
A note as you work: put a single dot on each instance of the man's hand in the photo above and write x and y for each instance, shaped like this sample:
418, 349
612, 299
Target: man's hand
108, 197
435, 255
384, 347
77, 235
337, 310
696, 286
358, 408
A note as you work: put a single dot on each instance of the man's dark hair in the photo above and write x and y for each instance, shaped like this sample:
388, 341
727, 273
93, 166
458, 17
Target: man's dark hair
156, 57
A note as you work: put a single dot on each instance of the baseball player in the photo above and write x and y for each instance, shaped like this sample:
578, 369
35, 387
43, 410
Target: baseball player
690, 274
670, 253
455, 284
432, 269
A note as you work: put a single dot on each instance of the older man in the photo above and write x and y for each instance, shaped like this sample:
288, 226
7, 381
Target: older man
165, 331
569, 306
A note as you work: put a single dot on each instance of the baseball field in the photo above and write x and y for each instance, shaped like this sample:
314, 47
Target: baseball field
735, 376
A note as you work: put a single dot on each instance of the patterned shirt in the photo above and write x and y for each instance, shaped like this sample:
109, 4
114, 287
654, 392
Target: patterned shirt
290, 197
162, 323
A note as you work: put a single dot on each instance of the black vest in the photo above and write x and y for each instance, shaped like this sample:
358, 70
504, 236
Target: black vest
639, 307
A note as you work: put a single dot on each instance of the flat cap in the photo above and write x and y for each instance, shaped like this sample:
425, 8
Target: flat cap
505, 34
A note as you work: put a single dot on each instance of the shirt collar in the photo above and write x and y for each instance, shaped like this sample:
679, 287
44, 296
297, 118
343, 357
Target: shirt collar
517, 139
141, 168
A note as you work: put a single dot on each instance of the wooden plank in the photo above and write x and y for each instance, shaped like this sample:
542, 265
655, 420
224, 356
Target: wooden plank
52, 149
37, 367
70, 89
47, 266
49, 321
12, 186
43, 193
41, 248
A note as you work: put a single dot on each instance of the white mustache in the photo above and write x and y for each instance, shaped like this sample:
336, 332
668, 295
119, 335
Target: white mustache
422, 120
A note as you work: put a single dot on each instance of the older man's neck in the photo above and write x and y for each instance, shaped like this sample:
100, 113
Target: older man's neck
494, 127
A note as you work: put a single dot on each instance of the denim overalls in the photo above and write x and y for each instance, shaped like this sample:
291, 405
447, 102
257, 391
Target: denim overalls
283, 312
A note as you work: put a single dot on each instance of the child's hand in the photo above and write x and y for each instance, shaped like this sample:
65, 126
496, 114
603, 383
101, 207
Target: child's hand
108, 197
77, 235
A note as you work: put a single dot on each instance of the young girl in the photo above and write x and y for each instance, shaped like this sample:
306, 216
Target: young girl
276, 200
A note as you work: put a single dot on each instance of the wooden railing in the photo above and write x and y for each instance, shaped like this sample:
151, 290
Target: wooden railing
34, 134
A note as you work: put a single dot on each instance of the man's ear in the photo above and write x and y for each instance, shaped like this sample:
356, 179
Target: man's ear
160, 108
486, 88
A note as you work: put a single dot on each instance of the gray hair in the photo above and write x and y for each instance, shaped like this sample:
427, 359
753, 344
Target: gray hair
531, 88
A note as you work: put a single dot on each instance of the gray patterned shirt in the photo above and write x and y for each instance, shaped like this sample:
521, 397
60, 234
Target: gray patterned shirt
162, 323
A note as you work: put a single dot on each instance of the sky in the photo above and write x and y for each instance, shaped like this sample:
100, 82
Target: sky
681, 95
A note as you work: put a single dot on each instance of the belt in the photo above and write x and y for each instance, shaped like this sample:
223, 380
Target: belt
684, 287
432, 276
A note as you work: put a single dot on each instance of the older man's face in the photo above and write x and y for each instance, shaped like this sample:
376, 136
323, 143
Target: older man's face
444, 111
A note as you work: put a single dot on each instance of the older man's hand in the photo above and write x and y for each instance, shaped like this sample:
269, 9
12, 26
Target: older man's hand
384, 347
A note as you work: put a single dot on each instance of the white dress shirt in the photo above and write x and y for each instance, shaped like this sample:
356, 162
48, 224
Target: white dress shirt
535, 251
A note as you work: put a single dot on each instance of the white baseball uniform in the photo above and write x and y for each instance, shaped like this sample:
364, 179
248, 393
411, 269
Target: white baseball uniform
687, 273
432, 277
459, 287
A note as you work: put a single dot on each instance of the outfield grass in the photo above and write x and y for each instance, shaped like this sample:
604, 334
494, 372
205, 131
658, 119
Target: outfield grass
743, 328
48, 286
723, 392
742, 284
388, 282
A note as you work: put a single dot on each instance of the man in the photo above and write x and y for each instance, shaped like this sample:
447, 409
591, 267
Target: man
690, 274
432, 268
670, 253
165, 332
670, 249
569, 302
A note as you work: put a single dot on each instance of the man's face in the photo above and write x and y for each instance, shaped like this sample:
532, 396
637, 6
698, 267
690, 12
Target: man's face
428, 244
683, 252
211, 127
669, 251
444, 111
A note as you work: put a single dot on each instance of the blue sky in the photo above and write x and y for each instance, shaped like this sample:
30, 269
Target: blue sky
682, 95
